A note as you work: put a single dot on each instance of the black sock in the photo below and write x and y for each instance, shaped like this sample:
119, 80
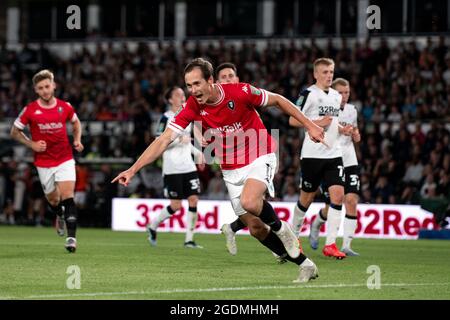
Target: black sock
269, 217
70, 215
237, 225
56, 209
275, 245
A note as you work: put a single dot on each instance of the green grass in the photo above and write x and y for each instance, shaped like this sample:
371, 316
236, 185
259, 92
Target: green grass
122, 265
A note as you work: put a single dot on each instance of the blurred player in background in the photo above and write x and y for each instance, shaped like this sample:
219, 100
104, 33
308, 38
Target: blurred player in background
348, 115
321, 163
179, 171
248, 170
53, 158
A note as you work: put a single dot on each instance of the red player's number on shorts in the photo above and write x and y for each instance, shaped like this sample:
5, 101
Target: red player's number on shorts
143, 208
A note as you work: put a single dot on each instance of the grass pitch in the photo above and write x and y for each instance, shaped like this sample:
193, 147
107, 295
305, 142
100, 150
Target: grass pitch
122, 265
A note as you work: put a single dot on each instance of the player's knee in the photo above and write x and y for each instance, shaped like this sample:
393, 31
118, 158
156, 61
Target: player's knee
175, 206
337, 197
54, 202
249, 204
306, 198
67, 195
351, 202
193, 201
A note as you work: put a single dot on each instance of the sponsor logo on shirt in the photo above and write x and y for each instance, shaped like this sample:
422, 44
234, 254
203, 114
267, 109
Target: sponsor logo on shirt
328, 111
203, 113
50, 126
237, 126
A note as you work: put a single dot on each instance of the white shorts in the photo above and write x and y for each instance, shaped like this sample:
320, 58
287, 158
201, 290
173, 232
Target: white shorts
48, 176
262, 169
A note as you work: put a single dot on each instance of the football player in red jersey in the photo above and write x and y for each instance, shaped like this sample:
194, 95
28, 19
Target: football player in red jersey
53, 158
227, 73
248, 167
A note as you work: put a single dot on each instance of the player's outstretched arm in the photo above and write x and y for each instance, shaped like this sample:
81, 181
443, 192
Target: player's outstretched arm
153, 152
36, 146
315, 132
322, 122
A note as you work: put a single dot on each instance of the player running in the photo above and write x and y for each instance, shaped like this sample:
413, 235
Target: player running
227, 73
227, 111
348, 115
53, 158
320, 163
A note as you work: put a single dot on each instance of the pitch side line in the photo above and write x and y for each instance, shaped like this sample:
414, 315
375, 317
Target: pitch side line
143, 292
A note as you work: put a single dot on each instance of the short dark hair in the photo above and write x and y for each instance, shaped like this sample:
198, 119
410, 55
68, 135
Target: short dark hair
169, 91
226, 65
204, 65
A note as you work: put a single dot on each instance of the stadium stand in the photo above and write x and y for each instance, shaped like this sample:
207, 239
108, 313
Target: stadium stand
401, 88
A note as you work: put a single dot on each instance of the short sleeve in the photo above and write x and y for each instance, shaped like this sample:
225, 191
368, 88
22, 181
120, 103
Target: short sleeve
22, 120
255, 96
71, 115
185, 115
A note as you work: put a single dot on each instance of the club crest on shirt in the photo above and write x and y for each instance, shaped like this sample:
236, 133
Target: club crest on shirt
231, 105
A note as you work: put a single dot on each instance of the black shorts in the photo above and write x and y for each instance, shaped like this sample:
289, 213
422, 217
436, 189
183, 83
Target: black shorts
352, 183
182, 185
330, 172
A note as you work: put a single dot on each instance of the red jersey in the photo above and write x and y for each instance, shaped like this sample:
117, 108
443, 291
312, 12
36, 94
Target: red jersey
232, 124
49, 124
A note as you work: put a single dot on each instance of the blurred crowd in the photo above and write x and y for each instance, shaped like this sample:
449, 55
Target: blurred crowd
401, 91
